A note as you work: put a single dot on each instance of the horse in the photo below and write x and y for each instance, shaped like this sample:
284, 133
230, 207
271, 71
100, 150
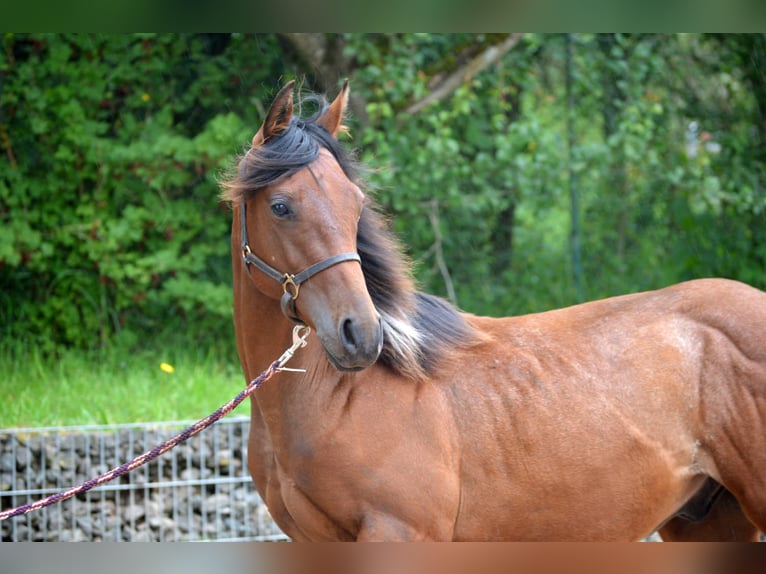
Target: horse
607, 420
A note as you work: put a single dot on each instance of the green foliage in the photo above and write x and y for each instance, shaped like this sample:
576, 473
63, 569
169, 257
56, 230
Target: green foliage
110, 224
488, 165
452, 175
109, 211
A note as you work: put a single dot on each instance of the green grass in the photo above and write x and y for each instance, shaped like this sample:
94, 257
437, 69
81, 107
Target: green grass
117, 385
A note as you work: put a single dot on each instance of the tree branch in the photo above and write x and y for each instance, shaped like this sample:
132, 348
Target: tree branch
433, 215
466, 72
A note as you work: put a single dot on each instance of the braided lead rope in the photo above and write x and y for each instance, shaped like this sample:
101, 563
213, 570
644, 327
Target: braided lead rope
300, 333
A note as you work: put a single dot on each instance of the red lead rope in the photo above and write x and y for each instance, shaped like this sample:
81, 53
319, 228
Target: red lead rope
300, 333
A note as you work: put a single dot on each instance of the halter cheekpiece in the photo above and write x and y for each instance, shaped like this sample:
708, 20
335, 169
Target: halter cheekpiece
291, 283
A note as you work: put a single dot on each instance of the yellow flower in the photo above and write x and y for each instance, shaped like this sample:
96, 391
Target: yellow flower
166, 368
146, 97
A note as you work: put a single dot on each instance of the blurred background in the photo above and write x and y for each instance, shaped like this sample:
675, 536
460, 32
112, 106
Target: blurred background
522, 172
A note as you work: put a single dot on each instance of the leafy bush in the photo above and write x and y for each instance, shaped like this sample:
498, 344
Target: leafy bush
109, 200
109, 215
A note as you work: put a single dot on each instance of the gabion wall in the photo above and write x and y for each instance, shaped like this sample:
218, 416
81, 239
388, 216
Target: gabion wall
200, 490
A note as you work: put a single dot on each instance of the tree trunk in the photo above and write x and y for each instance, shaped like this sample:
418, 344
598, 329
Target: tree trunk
321, 57
574, 188
506, 218
617, 180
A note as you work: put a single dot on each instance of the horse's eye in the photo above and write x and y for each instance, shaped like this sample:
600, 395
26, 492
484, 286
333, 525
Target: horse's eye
280, 209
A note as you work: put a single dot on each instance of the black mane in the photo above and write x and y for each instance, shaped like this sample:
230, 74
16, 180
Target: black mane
292, 150
419, 329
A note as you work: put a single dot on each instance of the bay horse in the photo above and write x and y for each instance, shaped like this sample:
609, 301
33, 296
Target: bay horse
603, 421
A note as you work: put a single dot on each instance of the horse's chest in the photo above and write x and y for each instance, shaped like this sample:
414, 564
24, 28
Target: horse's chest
300, 517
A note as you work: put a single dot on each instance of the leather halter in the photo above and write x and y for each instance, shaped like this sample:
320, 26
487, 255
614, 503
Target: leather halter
291, 284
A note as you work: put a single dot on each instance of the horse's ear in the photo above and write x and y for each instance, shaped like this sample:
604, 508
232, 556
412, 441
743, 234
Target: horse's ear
279, 116
332, 118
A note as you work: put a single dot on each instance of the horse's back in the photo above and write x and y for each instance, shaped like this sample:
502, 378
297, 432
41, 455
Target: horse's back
736, 310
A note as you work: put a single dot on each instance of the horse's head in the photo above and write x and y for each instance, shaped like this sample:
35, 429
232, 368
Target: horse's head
299, 210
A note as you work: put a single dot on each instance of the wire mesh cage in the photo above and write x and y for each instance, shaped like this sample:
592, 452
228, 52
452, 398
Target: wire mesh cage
200, 490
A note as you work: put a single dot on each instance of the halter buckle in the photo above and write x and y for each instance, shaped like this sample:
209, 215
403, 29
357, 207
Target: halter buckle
290, 286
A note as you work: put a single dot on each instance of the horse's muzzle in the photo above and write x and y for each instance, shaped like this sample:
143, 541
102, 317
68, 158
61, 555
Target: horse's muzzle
360, 344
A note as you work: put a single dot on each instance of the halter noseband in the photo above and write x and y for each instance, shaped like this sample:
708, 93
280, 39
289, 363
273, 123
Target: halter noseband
291, 284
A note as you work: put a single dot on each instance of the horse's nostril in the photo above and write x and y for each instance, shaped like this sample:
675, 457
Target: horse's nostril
347, 332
